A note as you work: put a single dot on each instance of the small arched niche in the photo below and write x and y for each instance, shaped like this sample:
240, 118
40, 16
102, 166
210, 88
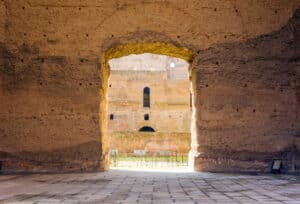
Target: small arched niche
146, 129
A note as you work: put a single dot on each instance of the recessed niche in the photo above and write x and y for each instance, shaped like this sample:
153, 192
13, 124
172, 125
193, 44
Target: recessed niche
146, 117
111, 116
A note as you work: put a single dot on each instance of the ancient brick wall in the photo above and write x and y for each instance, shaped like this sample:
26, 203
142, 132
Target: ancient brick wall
52, 94
170, 102
153, 142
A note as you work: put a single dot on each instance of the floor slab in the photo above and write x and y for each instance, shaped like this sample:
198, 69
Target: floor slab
120, 186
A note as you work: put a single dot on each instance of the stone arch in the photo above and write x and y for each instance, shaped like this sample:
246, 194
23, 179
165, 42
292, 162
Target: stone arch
121, 50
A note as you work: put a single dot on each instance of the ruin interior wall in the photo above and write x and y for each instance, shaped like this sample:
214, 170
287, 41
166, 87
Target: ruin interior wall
247, 99
50, 76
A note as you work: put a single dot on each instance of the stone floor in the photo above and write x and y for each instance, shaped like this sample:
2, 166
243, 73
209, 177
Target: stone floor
118, 186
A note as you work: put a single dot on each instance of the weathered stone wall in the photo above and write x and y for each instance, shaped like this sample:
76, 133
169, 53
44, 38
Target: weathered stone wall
44, 124
247, 99
49, 108
52, 94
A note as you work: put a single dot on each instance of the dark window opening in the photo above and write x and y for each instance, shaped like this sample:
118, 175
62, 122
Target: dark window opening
111, 116
191, 100
146, 117
146, 97
146, 129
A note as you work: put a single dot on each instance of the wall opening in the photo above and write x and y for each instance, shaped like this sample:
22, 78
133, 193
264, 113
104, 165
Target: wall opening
136, 83
146, 117
146, 97
146, 129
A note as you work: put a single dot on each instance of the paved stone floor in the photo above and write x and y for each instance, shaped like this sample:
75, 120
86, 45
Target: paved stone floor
118, 186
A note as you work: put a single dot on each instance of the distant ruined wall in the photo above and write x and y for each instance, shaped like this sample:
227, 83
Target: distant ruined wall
153, 143
169, 102
52, 94
247, 99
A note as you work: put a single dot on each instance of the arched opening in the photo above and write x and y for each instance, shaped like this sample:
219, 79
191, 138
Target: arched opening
144, 48
146, 129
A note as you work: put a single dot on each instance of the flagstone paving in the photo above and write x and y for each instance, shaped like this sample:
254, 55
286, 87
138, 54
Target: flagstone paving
119, 186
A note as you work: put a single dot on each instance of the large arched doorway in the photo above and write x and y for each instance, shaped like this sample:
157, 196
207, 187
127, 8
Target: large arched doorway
154, 48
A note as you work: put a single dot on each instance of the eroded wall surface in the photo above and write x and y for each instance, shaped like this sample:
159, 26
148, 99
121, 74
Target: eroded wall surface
52, 100
247, 99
